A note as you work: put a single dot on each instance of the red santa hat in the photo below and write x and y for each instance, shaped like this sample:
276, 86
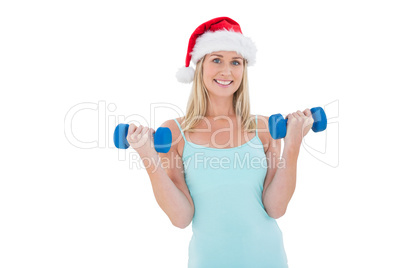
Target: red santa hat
219, 34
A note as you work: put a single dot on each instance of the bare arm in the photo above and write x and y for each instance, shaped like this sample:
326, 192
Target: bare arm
166, 173
281, 178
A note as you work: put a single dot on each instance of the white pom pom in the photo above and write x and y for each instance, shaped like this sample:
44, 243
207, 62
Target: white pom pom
185, 74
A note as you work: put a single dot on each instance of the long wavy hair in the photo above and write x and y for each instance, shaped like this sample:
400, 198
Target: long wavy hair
199, 99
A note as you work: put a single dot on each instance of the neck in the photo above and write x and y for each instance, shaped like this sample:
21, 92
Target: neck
220, 107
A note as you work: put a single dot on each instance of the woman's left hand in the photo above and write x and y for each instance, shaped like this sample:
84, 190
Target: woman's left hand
299, 124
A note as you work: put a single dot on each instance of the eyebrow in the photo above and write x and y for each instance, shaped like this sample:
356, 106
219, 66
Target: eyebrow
222, 56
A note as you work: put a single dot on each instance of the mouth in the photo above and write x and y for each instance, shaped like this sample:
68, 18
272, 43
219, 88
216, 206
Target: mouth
223, 83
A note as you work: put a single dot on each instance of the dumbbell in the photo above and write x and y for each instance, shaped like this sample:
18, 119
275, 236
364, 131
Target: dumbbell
277, 124
162, 138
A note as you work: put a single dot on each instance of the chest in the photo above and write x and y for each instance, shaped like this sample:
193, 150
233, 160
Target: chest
208, 170
219, 135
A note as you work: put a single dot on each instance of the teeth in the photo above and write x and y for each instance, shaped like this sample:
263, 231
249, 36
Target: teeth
223, 82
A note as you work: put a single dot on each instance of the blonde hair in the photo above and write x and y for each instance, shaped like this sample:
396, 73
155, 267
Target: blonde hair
198, 101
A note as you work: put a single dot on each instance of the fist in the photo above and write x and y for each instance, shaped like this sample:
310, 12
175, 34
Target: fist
299, 124
141, 139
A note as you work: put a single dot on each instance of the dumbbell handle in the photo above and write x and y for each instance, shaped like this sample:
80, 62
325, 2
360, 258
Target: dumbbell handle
162, 138
317, 118
277, 125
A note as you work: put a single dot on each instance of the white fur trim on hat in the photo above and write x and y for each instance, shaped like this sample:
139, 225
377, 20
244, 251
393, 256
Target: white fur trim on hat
224, 40
185, 74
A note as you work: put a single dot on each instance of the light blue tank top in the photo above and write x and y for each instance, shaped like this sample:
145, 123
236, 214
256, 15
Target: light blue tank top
230, 225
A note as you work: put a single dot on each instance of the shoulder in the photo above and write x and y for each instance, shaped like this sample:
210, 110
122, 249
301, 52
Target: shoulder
262, 120
262, 124
174, 128
171, 123
263, 131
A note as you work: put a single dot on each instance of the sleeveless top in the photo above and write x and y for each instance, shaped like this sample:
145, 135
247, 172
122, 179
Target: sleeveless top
230, 225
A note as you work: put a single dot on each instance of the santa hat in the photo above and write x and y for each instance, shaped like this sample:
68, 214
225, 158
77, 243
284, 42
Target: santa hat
219, 34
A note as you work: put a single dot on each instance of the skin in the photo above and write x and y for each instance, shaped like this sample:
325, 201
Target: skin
227, 66
222, 66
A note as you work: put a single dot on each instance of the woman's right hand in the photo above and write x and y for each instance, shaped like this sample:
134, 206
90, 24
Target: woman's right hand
141, 139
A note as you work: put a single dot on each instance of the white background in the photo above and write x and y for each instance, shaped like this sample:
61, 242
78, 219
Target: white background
65, 206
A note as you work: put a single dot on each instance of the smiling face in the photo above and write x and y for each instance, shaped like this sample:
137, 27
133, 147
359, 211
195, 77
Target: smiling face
223, 72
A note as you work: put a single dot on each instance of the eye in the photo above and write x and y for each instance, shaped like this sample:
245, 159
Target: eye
216, 60
236, 63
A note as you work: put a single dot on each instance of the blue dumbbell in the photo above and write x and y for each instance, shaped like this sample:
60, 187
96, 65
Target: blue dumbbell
162, 138
277, 124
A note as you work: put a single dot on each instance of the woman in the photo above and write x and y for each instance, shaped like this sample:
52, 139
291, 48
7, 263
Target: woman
223, 172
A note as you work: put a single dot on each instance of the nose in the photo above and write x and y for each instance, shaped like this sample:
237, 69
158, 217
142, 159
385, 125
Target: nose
226, 70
